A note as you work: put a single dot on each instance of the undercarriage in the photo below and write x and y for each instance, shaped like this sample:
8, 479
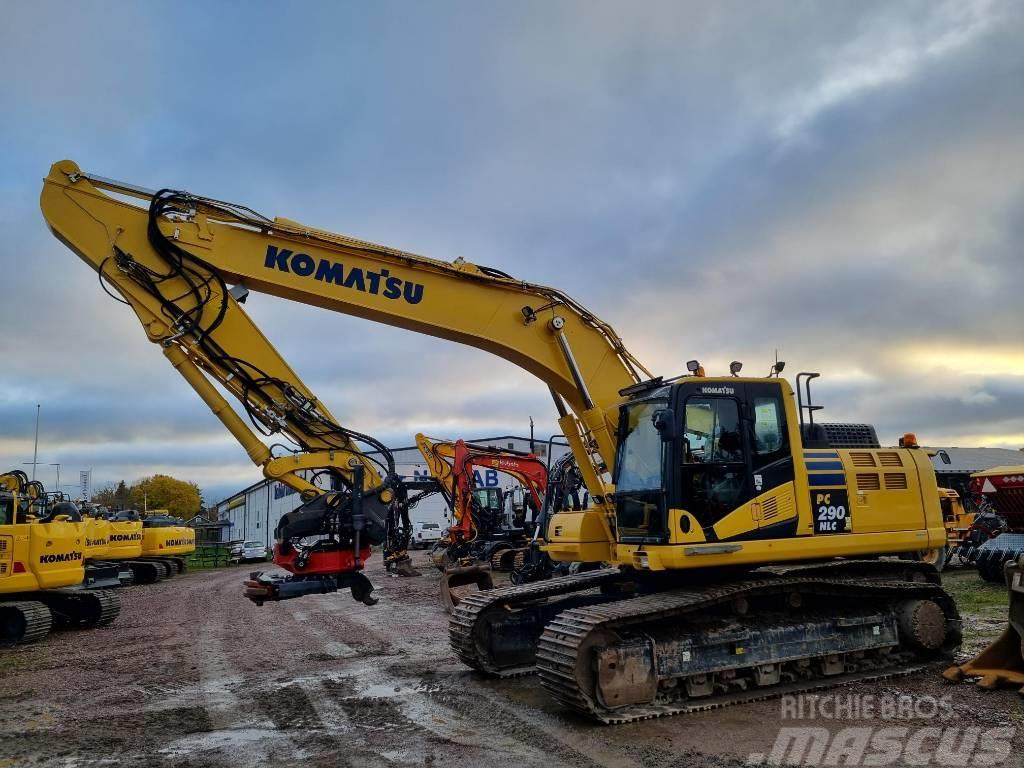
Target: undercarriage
617, 646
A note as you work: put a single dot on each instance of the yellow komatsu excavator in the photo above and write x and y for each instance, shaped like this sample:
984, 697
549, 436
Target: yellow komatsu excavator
743, 534
166, 541
144, 549
42, 567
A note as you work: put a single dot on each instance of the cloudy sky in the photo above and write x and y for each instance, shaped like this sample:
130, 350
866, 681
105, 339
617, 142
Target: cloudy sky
843, 182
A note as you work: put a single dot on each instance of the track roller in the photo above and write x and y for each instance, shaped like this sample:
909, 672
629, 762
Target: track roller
82, 608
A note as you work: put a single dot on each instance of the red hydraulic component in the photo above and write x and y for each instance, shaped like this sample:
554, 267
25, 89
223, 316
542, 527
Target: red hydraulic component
319, 562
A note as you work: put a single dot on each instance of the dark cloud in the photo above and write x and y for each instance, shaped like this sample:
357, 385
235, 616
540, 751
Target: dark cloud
841, 182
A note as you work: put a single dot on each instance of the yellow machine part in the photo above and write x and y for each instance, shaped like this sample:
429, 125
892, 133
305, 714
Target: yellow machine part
957, 520
886, 488
97, 537
1002, 663
36, 556
578, 536
124, 540
165, 542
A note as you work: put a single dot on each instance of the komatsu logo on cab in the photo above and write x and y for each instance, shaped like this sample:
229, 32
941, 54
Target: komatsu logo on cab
381, 283
64, 557
718, 390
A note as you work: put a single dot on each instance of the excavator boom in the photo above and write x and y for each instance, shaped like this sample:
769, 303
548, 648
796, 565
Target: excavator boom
205, 255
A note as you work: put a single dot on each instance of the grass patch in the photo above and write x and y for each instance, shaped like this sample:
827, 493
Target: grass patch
8, 662
974, 595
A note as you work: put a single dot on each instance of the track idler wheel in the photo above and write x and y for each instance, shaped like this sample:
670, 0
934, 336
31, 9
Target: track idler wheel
453, 578
23, 621
922, 624
1002, 663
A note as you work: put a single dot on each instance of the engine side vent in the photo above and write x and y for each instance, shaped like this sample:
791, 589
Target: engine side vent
890, 459
850, 435
862, 459
868, 482
895, 481
770, 508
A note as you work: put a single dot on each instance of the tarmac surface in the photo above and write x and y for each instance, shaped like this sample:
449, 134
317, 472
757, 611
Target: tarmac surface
192, 674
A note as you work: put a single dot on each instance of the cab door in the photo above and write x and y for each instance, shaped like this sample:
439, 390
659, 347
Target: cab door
771, 461
714, 462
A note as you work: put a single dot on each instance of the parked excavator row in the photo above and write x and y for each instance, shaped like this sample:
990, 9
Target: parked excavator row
742, 535
42, 570
145, 548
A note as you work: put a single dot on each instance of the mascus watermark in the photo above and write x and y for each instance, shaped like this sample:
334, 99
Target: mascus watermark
913, 730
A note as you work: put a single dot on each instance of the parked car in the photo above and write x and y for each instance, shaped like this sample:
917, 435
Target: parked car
425, 534
249, 551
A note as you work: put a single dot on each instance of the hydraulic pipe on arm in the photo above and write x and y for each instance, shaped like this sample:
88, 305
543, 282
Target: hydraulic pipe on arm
184, 263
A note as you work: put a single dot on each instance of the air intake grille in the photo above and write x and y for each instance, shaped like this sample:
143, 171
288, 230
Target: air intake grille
895, 481
868, 482
890, 460
863, 459
850, 435
770, 508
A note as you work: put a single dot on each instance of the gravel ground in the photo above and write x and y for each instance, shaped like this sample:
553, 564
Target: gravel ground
194, 675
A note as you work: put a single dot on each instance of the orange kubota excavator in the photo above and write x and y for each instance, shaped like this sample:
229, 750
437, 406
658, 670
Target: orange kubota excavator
741, 532
483, 531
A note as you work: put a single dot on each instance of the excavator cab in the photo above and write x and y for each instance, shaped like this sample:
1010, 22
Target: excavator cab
721, 472
706, 447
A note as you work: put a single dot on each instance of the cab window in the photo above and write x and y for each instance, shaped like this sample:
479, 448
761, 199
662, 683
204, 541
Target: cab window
714, 473
712, 432
770, 442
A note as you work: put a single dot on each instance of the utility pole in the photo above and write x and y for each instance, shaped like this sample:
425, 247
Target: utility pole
532, 448
57, 465
35, 451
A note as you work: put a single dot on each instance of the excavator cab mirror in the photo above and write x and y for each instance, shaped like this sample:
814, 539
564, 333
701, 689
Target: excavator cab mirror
664, 420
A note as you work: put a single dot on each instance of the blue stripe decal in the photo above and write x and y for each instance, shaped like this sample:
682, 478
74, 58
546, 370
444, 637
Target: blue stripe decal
819, 480
814, 466
826, 455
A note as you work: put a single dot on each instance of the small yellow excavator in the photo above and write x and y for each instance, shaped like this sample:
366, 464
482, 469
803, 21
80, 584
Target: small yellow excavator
144, 548
42, 568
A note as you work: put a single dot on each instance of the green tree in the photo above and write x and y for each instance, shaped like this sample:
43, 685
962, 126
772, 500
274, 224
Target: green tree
179, 497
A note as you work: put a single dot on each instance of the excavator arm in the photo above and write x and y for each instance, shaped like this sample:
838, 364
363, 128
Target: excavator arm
185, 265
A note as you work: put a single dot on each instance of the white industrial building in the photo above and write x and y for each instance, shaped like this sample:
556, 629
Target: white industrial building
253, 512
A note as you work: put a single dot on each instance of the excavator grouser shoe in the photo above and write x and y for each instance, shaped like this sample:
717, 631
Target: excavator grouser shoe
463, 576
1002, 663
